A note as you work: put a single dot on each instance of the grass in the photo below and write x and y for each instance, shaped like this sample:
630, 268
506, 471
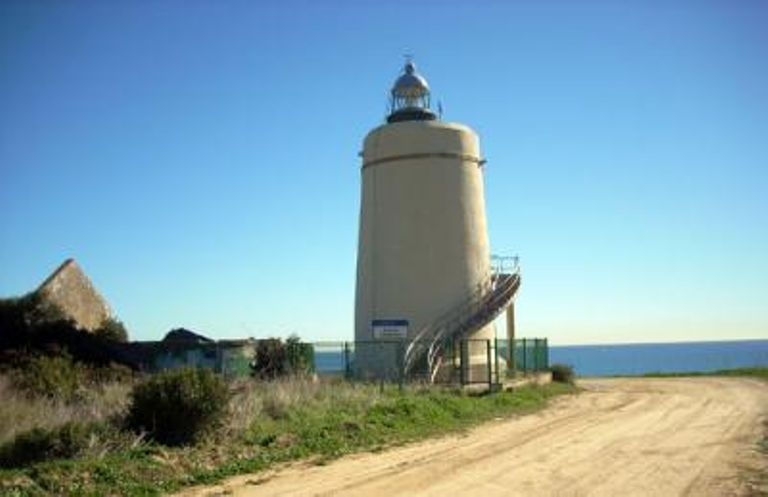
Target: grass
756, 372
756, 476
267, 423
21, 412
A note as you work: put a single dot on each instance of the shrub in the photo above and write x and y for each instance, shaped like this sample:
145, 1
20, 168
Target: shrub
275, 359
30, 325
49, 376
177, 407
38, 444
562, 373
300, 356
112, 330
111, 373
28, 311
269, 362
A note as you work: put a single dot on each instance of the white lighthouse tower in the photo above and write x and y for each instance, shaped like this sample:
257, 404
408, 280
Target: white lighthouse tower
424, 275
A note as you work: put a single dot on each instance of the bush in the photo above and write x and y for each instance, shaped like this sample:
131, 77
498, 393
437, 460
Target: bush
61, 378
269, 362
177, 407
28, 325
28, 311
39, 444
275, 359
49, 376
300, 356
562, 373
112, 330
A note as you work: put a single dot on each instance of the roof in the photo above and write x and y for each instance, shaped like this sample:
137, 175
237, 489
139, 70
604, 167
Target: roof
185, 335
59, 270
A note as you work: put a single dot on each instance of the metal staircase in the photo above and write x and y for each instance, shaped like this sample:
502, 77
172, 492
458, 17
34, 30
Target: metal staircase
491, 298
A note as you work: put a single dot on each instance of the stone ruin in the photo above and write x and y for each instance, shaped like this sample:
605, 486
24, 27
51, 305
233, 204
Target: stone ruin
71, 291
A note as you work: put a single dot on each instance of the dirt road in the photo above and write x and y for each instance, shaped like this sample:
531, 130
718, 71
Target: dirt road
645, 437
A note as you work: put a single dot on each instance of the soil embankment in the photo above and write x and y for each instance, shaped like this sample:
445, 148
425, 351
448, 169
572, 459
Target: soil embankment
660, 437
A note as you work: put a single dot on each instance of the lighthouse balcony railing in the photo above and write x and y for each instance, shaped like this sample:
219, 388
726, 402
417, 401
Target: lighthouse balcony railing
505, 264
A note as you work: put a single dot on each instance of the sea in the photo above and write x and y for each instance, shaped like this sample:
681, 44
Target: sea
643, 358
625, 359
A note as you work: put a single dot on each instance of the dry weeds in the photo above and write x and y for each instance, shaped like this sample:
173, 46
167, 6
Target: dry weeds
21, 412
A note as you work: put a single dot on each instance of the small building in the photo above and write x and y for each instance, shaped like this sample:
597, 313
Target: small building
184, 348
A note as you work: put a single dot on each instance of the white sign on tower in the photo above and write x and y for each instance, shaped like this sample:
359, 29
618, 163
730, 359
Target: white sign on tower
389, 329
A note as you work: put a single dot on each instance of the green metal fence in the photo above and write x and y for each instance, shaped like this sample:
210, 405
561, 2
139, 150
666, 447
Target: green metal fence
526, 354
464, 362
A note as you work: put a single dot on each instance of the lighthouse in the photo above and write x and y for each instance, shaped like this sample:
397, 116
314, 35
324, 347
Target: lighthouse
424, 275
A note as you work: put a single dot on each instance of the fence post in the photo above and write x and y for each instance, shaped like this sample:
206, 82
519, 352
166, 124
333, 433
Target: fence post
512, 352
546, 353
496, 358
489, 364
456, 350
400, 364
525, 356
463, 359
347, 368
540, 356
511, 360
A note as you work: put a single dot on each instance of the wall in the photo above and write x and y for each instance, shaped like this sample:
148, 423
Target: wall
423, 246
69, 289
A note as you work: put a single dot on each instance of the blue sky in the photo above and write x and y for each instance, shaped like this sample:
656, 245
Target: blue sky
199, 159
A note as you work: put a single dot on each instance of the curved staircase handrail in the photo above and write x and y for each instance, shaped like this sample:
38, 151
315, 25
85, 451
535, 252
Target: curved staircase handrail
493, 295
429, 329
495, 303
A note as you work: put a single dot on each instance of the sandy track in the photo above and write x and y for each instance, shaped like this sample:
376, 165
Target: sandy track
658, 437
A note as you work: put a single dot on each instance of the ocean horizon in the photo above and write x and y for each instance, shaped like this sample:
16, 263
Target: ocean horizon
624, 359
634, 359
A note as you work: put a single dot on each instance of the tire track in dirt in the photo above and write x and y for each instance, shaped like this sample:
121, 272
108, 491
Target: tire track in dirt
672, 436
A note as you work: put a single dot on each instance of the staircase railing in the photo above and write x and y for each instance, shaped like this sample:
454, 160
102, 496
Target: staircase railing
482, 288
429, 330
504, 290
492, 295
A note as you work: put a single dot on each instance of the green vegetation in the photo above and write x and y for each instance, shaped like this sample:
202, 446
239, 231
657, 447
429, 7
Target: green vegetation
265, 423
30, 326
22, 313
60, 377
756, 476
49, 376
20, 411
179, 406
68, 440
275, 358
300, 356
112, 330
757, 372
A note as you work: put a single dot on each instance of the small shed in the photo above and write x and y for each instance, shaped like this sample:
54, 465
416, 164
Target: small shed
184, 348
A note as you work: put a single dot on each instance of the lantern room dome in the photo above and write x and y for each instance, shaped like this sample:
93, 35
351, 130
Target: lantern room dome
411, 83
409, 97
